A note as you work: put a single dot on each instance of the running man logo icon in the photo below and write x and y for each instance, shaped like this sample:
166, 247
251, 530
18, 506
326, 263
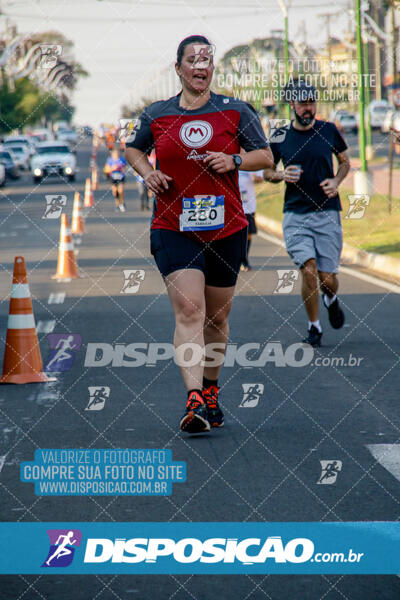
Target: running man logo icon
62, 547
126, 127
133, 279
286, 280
54, 206
203, 55
50, 54
357, 206
251, 394
329, 471
97, 397
278, 129
62, 351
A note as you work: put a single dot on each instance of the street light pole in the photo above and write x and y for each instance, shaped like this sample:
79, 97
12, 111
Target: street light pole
361, 105
362, 181
284, 8
367, 100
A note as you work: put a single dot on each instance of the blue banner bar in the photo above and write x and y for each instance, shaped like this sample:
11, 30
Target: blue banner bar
200, 548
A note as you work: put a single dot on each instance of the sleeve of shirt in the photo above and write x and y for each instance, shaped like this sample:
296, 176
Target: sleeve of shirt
275, 149
250, 133
142, 136
339, 145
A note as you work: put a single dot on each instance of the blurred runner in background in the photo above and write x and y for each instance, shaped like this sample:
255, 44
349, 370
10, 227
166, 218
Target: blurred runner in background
115, 170
247, 180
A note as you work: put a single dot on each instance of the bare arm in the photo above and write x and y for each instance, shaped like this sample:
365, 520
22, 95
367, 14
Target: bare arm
272, 175
344, 167
330, 185
251, 161
290, 174
155, 180
139, 161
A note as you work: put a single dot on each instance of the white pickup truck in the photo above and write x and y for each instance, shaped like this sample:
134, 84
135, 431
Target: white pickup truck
53, 158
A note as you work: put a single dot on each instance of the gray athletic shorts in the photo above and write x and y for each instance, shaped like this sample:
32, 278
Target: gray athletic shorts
314, 235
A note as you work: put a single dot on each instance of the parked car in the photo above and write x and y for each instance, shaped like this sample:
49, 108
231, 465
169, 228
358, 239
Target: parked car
2, 175
20, 139
7, 158
337, 113
42, 135
67, 135
346, 123
60, 125
391, 120
21, 155
377, 110
53, 158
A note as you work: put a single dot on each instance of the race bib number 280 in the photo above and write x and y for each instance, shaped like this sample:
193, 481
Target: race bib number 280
202, 213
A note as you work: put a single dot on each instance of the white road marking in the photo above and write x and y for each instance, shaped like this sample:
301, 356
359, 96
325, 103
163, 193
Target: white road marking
2, 461
56, 298
45, 326
388, 455
363, 276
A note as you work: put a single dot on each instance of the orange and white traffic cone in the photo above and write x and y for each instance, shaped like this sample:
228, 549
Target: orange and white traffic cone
66, 266
88, 199
22, 358
78, 225
95, 177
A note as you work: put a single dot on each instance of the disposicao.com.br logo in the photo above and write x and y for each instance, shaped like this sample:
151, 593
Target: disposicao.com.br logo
248, 551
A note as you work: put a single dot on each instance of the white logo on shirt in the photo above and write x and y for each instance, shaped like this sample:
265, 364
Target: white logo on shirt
196, 134
196, 156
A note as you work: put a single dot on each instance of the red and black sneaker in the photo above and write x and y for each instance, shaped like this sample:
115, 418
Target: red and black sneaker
195, 418
215, 415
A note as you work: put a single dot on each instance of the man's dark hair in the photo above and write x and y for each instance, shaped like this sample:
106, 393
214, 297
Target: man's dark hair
189, 40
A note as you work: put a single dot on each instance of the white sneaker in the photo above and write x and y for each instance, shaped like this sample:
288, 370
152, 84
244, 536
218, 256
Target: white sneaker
122, 208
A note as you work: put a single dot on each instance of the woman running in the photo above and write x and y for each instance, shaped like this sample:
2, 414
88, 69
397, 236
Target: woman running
115, 170
199, 230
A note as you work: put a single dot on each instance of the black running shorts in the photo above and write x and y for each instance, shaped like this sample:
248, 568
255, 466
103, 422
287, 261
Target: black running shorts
219, 260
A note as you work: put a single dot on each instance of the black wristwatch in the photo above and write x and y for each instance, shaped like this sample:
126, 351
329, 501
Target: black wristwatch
237, 160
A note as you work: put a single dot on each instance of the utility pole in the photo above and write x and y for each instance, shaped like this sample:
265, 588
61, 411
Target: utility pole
361, 179
393, 44
368, 148
377, 56
284, 7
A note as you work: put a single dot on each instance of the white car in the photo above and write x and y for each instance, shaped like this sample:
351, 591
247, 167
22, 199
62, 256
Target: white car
67, 135
21, 155
377, 111
53, 158
20, 140
391, 120
42, 135
2, 175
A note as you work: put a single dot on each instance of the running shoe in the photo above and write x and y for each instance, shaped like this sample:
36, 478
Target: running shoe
314, 337
215, 415
195, 418
335, 314
122, 207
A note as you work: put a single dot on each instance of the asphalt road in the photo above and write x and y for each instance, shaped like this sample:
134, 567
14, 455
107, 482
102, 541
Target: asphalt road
380, 143
264, 465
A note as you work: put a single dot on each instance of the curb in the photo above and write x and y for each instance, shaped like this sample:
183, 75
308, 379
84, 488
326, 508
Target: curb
377, 263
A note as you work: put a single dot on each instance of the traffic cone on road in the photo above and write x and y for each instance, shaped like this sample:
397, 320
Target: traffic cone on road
22, 358
88, 199
66, 266
95, 177
78, 225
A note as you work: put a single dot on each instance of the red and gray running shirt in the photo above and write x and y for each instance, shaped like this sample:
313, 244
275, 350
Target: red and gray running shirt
199, 201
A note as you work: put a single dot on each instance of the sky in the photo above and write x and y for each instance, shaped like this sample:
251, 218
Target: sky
125, 45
